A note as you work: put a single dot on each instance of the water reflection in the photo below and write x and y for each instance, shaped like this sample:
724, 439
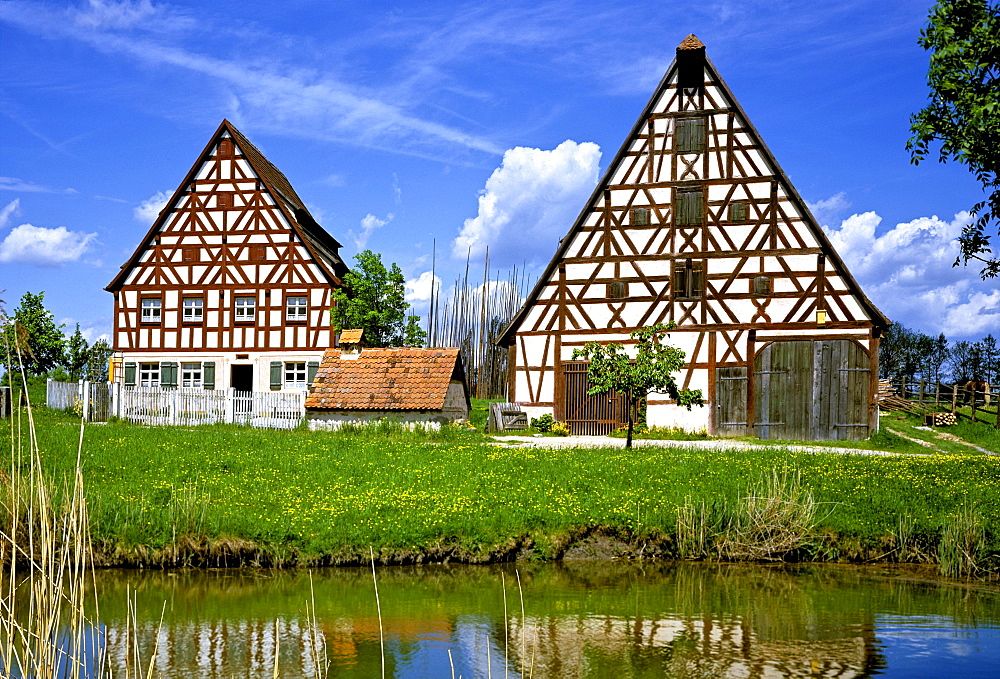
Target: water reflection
580, 620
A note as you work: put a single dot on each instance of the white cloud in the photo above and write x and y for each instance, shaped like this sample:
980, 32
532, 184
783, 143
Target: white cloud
829, 209
335, 180
368, 226
44, 247
15, 184
907, 272
397, 192
418, 291
92, 331
119, 15
11, 209
530, 202
148, 210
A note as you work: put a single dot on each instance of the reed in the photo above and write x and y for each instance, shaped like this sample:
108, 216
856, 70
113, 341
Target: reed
472, 319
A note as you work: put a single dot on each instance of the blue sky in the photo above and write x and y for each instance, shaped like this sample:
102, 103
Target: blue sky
468, 124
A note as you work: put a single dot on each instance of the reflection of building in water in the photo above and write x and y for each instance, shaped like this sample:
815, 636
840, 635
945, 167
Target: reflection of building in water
553, 646
597, 646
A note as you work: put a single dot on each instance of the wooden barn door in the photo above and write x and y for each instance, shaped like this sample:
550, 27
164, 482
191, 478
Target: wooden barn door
731, 401
589, 415
811, 390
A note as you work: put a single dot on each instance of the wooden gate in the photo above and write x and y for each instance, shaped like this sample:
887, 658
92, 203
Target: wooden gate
731, 401
811, 390
589, 415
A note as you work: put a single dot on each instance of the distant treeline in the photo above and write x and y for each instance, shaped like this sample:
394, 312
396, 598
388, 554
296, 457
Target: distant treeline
906, 354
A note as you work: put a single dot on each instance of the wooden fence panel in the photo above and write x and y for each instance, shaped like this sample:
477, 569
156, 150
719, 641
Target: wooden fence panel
731, 401
590, 415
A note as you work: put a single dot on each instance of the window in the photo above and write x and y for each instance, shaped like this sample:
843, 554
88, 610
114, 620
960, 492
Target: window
690, 135
245, 309
295, 375
762, 285
258, 253
616, 290
688, 280
295, 309
149, 374
739, 211
151, 310
224, 200
193, 310
189, 254
689, 208
225, 147
640, 216
190, 374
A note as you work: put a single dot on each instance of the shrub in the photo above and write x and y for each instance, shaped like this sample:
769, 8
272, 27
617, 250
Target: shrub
560, 429
543, 423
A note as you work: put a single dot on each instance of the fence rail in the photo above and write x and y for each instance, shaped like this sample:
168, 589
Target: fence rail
164, 406
927, 397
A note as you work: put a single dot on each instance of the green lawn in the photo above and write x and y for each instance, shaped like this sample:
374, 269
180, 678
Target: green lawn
326, 497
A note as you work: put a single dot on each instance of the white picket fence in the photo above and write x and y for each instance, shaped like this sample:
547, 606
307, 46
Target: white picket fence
180, 407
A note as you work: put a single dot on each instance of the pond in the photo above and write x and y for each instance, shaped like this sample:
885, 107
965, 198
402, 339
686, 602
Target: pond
569, 619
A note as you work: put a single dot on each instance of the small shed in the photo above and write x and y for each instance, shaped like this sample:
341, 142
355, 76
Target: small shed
420, 386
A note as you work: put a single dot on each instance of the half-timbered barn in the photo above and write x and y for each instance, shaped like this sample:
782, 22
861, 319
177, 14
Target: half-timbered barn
695, 223
232, 285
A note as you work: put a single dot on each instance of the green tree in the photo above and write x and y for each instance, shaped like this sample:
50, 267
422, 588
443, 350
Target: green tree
97, 361
33, 333
651, 369
963, 37
77, 355
373, 299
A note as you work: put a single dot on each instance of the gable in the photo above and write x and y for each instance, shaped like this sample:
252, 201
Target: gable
693, 222
234, 209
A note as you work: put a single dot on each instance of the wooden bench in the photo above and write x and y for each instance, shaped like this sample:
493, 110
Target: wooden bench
506, 417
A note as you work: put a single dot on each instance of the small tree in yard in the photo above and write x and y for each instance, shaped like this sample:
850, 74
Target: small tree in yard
373, 299
77, 355
651, 369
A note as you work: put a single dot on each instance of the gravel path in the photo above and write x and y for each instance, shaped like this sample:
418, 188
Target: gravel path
614, 442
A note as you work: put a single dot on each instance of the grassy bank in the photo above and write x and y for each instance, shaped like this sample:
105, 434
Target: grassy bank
227, 495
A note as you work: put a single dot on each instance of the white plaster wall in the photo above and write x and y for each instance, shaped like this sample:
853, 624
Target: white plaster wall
334, 420
666, 415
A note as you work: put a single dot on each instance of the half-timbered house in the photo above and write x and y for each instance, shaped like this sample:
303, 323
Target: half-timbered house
695, 223
232, 285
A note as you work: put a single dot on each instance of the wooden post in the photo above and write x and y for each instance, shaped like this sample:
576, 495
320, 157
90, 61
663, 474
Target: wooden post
954, 397
920, 397
974, 392
937, 393
902, 387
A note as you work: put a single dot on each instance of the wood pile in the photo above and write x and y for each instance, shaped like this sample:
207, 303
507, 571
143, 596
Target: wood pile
894, 404
885, 389
940, 419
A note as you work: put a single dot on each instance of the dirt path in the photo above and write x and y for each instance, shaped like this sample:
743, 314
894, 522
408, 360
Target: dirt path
717, 444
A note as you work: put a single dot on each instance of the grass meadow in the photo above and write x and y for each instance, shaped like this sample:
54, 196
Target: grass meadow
225, 495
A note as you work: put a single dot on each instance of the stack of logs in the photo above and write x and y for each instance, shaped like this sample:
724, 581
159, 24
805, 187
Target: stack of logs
940, 419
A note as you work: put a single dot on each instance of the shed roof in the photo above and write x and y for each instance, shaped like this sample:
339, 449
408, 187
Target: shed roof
385, 379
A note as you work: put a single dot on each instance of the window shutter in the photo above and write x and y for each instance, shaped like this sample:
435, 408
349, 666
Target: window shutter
130, 374
689, 208
739, 211
312, 367
275, 375
762, 285
680, 282
208, 374
690, 135
640, 216
697, 281
616, 290
168, 374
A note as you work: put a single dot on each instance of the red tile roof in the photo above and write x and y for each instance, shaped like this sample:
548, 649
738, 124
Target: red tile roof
385, 379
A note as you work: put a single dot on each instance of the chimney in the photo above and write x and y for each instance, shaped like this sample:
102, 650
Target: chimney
350, 345
691, 63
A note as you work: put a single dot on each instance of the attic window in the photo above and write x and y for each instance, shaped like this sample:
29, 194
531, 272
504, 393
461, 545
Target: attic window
689, 208
690, 135
224, 200
258, 253
616, 290
225, 147
189, 254
762, 285
640, 216
739, 211
688, 280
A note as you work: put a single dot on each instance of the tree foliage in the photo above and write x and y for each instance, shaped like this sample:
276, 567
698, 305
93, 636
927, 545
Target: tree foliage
906, 354
651, 368
33, 335
963, 37
373, 299
77, 355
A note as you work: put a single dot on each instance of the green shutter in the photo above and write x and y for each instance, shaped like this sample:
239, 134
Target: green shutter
130, 374
208, 374
312, 367
275, 375
640, 216
690, 135
689, 208
738, 211
168, 374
